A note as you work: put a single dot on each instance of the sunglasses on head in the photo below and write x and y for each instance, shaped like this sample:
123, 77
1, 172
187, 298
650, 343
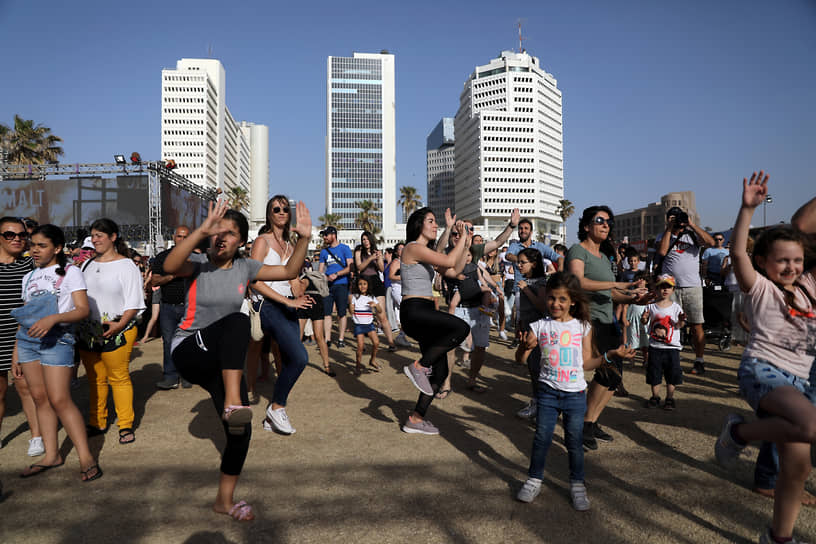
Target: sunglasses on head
10, 234
601, 220
278, 209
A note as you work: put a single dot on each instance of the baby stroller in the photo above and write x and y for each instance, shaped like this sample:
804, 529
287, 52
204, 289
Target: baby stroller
717, 315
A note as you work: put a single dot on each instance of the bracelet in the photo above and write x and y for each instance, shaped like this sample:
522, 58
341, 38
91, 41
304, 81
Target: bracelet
607, 358
511, 225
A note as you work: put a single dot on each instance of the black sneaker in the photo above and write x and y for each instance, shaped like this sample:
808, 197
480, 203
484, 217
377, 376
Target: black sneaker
514, 344
340, 344
699, 368
653, 402
328, 343
185, 384
600, 434
167, 383
590, 444
669, 405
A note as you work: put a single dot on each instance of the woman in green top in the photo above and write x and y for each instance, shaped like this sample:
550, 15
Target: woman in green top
591, 261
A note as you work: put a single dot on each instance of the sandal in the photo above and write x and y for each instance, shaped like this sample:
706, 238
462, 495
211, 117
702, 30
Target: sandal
127, 436
669, 405
241, 511
95, 469
358, 370
476, 388
329, 372
375, 366
443, 394
35, 469
237, 417
653, 402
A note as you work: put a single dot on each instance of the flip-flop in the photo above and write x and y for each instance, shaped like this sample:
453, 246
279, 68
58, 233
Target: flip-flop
96, 475
476, 388
124, 434
241, 511
39, 469
375, 366
237, 417
329, 372
442, 394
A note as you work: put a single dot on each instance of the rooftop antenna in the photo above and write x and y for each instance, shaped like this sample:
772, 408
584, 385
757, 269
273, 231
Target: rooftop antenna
209, 50
520, 37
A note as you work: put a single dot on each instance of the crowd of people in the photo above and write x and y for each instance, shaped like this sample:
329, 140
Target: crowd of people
223, 309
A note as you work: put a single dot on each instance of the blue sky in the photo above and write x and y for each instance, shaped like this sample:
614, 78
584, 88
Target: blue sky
658, 96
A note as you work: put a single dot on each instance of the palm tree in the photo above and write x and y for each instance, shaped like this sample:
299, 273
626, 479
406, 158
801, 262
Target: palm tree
409, 200
28, 143
565, 209
331, 220
368, 216
238, 198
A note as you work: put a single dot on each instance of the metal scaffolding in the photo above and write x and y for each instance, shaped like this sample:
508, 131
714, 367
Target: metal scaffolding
156, 172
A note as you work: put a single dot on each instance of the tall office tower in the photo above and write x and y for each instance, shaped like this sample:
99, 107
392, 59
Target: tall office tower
360, 139
258, 138
439, 158
509, 145
199, 132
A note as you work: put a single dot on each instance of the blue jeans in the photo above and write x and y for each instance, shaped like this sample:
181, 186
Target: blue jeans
169, 317
572, 405
767, 463
281, 323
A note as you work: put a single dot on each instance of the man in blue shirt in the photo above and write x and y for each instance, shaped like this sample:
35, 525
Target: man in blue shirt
335, 262
713, 259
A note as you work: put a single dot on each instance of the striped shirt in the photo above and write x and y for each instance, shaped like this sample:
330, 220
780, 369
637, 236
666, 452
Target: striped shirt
11, 287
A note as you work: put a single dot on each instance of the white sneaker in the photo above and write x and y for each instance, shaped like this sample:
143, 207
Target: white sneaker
36, 447
503, 335
278, 421
530, 490
529, 411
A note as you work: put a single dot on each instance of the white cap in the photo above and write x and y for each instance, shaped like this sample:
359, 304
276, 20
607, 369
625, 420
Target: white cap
86, 243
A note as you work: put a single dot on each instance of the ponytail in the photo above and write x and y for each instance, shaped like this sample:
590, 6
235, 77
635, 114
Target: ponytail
57, 237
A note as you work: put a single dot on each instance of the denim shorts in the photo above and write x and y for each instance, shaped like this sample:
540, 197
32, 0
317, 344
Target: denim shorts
363, 328
59, 354
758, 377
479, 325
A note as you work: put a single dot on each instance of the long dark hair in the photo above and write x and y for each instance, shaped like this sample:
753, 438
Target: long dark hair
269, 206
607, 246
566, 280
57, 237
413, 227
534, 256
763, 247
109, 227
372, 242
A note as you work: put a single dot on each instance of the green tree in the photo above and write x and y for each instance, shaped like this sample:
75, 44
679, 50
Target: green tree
27, 143
331, 220
368, 216
409, 200
238, 198
565, 209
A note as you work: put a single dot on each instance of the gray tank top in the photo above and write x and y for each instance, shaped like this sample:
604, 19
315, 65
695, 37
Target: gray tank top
417, 279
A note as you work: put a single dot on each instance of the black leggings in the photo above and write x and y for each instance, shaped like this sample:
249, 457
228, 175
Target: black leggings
200, 358
437, 333
606, 337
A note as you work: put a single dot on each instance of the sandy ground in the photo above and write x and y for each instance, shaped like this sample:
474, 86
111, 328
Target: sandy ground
350, 475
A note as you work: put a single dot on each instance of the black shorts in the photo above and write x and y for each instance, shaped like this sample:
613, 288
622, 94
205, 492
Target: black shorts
375, 285
664, 363
605, 337
315, 311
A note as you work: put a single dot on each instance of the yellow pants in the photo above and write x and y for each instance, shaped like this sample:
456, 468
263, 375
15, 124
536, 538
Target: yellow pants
110, 368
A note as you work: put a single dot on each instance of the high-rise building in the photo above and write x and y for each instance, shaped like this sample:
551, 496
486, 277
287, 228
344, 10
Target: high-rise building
198, 131
509, 145
360, 140
439, 155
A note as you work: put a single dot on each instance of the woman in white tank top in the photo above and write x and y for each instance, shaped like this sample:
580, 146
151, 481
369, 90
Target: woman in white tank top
278, 313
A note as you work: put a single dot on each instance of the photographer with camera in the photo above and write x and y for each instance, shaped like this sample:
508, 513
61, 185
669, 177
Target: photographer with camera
679, 247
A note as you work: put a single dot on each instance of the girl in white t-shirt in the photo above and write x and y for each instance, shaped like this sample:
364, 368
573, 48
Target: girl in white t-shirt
565, 341
362, 306
55, 298
775, 367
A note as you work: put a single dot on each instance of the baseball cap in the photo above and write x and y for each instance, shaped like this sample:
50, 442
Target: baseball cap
328, 230
665, 279
87, 244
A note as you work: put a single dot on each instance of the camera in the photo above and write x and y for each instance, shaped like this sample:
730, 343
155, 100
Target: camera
681, 218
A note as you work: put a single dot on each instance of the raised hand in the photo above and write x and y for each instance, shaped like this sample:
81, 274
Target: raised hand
215, 212
450, 220
755, 190
304, 221
515, 217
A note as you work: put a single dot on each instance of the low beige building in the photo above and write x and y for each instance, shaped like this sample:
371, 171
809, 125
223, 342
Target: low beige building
643, 224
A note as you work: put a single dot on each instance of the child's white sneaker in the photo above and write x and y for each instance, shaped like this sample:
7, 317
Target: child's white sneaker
530, 490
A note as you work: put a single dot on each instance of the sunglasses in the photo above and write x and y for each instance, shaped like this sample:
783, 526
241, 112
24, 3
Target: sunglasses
719, 239
602, 220
278, 209
9, 235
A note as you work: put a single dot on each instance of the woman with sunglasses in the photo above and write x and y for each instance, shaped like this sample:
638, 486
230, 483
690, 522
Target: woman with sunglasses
278, 306
591, 260
13, 267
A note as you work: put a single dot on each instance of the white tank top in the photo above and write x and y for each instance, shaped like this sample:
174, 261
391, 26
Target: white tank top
272, 258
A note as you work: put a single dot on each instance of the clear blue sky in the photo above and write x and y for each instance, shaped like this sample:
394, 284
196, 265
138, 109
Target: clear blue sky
658, 96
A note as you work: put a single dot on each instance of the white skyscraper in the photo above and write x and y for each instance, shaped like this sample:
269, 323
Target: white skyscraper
360, 141
439, 156
509, 145
198, 131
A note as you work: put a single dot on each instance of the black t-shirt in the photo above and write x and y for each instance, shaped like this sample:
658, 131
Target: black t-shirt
172, 292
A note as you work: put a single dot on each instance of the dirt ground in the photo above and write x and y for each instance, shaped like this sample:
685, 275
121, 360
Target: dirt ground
350, 475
